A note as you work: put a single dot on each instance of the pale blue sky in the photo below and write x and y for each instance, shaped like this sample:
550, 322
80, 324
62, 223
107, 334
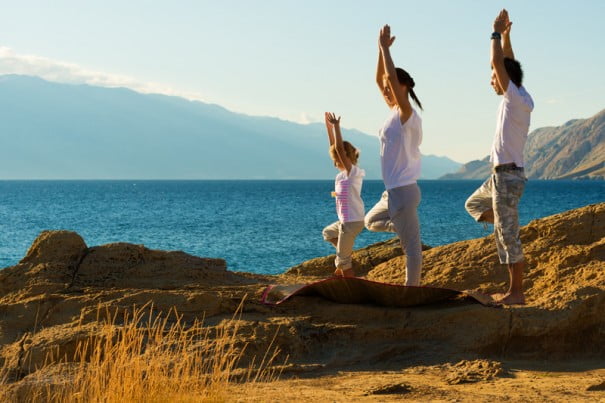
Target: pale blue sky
295, 59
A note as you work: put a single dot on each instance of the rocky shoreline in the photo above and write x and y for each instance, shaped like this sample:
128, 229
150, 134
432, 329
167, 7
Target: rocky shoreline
51, 299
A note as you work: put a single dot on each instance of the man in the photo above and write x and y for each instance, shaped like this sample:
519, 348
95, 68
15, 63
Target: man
496, 201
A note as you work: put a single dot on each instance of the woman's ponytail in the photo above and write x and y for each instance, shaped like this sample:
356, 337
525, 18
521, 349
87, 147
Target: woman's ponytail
415, 98
404, 78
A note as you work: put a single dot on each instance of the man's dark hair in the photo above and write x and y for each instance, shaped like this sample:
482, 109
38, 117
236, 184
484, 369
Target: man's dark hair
514, 71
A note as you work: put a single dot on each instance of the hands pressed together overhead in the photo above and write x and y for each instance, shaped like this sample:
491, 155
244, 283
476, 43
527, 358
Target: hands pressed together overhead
502, 23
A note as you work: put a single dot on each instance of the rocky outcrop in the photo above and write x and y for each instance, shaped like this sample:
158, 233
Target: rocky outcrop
53, 296
575, 150
49, 265
51, 300
134, 267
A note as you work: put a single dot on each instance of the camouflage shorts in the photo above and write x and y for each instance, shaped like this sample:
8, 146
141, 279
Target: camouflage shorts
501, 192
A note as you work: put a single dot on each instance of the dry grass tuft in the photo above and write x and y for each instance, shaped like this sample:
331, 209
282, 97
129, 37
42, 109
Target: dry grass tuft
149, 357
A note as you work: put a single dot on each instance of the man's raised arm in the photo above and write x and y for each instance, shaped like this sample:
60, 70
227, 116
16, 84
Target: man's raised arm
507, 47
497, 53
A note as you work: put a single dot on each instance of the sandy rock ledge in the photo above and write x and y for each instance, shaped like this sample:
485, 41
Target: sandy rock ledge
51, 299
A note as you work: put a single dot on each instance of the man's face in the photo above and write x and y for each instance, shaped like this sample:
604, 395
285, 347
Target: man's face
495, 84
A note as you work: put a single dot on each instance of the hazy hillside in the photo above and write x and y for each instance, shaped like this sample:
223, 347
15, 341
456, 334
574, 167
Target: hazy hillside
571, 151
576, 149
476, 169
51, 130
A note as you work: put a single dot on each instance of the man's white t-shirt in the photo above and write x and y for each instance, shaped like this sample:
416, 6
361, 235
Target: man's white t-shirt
400, 150
512, 126
349, 205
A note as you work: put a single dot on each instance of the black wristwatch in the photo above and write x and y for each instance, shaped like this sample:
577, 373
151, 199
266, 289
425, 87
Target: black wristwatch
496, 35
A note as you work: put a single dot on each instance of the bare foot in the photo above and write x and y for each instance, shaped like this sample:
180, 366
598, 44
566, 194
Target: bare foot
509, 299
348, 273
344, 273
487, 216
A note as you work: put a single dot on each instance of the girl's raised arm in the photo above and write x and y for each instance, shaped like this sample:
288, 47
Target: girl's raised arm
338, 145
329, 129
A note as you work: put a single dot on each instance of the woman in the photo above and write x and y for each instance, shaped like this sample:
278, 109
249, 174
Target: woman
400, 140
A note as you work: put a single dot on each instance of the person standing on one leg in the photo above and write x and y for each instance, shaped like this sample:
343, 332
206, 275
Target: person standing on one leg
496, 201
400, 140
347, 191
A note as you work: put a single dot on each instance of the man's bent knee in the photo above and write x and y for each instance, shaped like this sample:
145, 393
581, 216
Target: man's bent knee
478, 211
471, 208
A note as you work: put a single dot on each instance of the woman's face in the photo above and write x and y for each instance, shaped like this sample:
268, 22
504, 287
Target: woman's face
386, 92
388, 95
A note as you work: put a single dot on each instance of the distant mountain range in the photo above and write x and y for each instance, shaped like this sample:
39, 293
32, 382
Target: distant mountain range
575, 150
63, 131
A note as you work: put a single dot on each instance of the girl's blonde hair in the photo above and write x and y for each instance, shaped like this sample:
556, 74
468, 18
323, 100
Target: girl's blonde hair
350, 150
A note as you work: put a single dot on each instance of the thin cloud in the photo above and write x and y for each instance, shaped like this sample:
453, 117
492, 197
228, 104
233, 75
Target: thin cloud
70, 73
306, 118
12, 62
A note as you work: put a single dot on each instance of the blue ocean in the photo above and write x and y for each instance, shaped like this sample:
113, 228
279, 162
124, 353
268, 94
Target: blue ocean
256, 226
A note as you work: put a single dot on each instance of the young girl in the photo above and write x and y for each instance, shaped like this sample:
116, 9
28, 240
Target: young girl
400, 139
347, 191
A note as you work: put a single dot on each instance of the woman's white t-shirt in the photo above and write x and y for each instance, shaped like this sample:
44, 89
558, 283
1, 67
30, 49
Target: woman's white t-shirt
349, 205
400, 150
